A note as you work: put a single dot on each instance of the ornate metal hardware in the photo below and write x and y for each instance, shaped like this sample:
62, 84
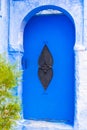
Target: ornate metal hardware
45, 71
45, 67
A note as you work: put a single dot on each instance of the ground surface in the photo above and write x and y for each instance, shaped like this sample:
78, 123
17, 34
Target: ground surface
41, 125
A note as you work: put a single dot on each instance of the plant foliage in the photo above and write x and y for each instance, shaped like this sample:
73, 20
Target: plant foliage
9, 103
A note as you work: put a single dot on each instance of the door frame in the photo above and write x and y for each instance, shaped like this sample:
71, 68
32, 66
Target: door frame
42, 8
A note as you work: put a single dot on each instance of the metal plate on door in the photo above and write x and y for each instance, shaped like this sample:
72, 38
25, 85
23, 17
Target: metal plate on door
45, 71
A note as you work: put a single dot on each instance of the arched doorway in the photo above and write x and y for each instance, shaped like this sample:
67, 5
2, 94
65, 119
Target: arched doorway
48, 63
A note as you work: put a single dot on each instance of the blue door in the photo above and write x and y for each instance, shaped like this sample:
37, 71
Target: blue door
51, 100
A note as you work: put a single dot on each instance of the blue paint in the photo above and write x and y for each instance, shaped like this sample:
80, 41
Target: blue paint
41, 8
57, 102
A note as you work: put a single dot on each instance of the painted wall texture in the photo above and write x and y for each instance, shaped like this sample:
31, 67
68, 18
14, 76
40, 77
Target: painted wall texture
12, 13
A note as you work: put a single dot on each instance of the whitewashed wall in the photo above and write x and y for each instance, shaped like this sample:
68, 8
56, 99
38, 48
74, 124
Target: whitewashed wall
11, 37
4, 23
81, 67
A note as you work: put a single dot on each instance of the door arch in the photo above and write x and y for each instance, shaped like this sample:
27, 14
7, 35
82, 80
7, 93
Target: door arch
53, 34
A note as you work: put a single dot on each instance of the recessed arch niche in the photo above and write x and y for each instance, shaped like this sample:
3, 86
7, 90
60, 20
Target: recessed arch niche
48, 89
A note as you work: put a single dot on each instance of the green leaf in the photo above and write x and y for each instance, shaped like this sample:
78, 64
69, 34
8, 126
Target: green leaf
10, 105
